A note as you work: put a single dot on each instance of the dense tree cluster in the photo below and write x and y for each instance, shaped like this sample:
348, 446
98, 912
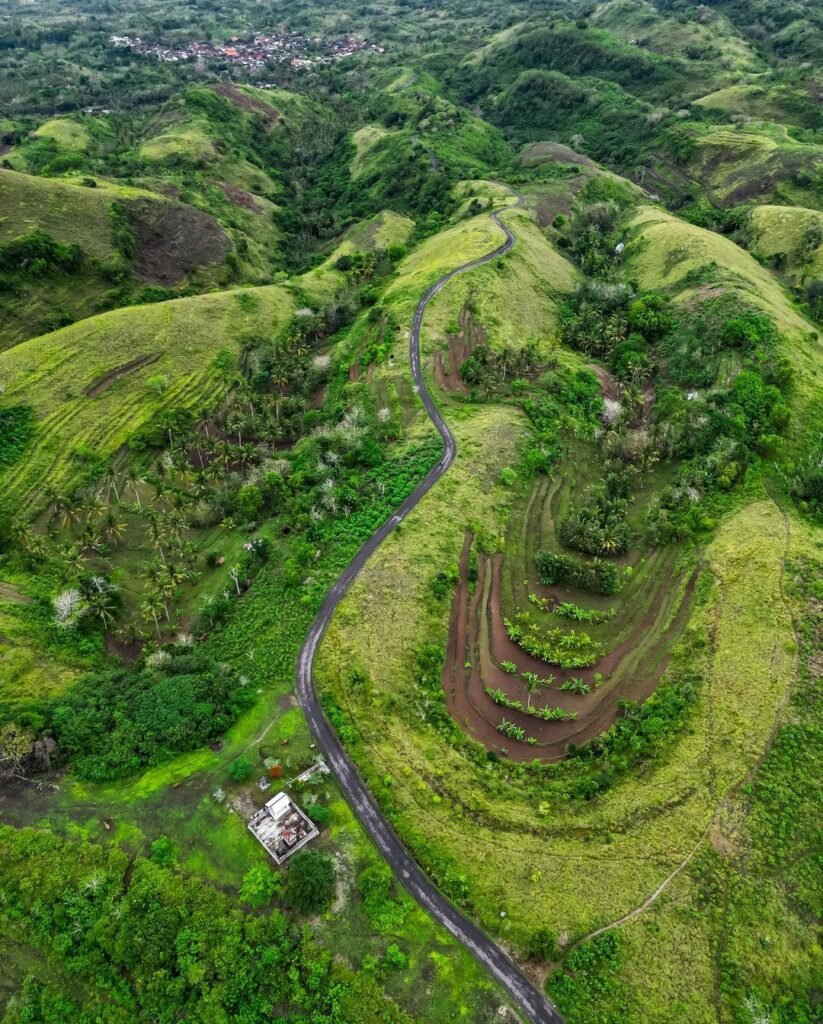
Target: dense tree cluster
138, 941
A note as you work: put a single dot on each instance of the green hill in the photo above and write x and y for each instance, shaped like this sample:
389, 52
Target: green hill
752, 162
791, 238
126, 238
84, 382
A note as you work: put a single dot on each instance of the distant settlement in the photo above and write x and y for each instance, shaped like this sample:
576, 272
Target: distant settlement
262, 51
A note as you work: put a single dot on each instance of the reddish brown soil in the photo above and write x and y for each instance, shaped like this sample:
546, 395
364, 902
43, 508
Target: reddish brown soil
173, 239
104, 382
608, 385
547, 204
610, 389
478, 639
127, 652
238, 197
460, 346
244, 102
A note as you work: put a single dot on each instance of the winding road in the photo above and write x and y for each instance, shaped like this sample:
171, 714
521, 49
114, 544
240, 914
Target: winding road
527, 997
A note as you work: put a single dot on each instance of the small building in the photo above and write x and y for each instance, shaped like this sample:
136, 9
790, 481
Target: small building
281, 827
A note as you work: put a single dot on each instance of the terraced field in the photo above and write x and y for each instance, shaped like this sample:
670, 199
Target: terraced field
641, 625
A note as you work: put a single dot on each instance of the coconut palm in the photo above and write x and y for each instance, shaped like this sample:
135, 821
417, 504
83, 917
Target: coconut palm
135, 479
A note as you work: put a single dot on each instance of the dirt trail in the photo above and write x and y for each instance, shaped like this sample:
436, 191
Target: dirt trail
105, 381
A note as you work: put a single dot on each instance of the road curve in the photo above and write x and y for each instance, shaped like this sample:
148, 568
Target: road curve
525, 995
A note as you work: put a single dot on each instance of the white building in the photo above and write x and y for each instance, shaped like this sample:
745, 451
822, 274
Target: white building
281, 827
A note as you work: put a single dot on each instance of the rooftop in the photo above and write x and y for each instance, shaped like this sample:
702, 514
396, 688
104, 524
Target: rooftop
281, 827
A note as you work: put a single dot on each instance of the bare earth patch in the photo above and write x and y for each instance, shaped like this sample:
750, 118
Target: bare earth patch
105, 381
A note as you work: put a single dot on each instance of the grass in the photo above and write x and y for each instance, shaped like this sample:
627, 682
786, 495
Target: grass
638, 19
781, 229
52, 373
514, 299
756, 159
663, 251
68, 134
66, 210
27, 674
189, 141
365, 139
763, 100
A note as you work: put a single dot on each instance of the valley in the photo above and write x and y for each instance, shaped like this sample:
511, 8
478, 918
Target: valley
447, 415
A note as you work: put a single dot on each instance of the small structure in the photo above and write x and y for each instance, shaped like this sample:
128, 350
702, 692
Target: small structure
281, 827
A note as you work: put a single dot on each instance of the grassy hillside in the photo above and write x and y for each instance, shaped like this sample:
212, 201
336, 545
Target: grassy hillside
55, 375
753, 161
64, 209
126, 238
790, 236
705, 36
695, 264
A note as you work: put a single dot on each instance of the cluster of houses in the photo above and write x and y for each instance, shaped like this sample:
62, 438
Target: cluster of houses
258, 53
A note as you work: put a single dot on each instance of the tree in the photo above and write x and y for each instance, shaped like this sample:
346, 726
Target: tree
16, 743
310, 882
260, 886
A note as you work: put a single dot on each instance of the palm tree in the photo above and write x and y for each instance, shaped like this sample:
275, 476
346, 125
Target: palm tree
111, 477
135, 478
155, 527
94, 505
101, 603
113, 529
150, 609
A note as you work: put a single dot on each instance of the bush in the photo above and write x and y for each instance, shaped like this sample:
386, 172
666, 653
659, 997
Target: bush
163, 851
596, 575
240, 769
395, 957
310, 882
543, 945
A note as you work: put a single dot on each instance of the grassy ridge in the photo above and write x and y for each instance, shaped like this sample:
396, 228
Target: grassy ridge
66, 210
53, 373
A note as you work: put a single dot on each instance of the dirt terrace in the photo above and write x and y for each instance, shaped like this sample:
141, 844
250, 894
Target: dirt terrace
478, 644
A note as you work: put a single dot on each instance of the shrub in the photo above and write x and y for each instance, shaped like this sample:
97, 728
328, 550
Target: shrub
163, 851
543, 944
240, 769
596, 575
395, 957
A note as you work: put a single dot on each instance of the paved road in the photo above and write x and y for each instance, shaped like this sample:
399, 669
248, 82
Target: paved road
524, 994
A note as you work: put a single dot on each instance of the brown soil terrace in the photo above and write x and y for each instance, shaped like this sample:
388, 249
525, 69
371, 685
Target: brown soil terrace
104, 382
460, 346
478, 639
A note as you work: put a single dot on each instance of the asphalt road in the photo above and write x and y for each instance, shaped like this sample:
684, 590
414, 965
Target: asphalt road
527, 997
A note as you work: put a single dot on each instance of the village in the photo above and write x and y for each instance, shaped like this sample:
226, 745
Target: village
258, 53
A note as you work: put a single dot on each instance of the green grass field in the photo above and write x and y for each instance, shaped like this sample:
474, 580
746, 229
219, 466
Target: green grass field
64, 209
